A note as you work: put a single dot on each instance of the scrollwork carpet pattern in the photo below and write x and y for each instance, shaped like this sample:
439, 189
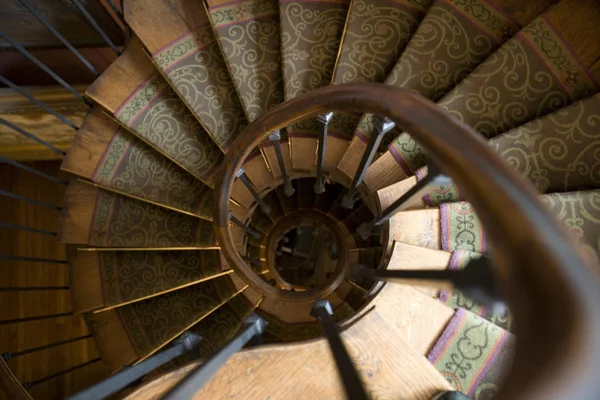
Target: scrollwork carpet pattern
456, 299
153, 322
473, 355
121, 221
558, 152
131, 167
376, 34
531, 75
194, 65
310, 37
248, 33
453, 38
132, 275
155, 113
576, 211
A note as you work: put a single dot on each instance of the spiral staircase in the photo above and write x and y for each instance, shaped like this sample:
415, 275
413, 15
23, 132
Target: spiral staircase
237, 162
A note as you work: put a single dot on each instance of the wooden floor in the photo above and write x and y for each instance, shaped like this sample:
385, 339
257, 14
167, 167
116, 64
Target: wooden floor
19, 336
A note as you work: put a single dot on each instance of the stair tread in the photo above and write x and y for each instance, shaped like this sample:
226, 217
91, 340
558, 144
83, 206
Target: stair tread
487, 366
144, 327
179, 37
308, 369
133, 91
108, 279
108, 155
455, 226
243, 25
552, 90
100, 218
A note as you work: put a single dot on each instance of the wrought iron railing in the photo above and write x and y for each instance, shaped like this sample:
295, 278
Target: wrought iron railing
44, 207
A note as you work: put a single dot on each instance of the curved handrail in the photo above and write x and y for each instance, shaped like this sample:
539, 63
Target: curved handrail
553, 291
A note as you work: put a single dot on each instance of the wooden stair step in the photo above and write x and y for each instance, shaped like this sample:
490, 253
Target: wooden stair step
379, 352
305, 193
109, 279
442, 53
292, 313
248, 35
113, 158
258, 172
308, 61
455, 226
133, 91
135, 331
101, 218
552, 89
182, 45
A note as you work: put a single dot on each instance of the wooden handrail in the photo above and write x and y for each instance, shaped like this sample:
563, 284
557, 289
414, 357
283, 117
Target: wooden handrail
552, 290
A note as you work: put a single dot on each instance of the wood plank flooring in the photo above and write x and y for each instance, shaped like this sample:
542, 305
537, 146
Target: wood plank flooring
20, 336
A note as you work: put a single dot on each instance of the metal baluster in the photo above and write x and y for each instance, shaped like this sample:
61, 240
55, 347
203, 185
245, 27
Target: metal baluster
242, 177
451, 395
32, 288
324, 119
32, 136
254, 262
26, 229
246, 228
28, 200
9, 356
323, 311
186, 343
60, 37
188, 386
96, 27
476, 280
36, 318
32, 170
42, 66
434, 178
382, 126
38, 103
275, 138
31, 259
29, 385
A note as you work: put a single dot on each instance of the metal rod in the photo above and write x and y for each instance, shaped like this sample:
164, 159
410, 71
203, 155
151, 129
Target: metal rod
58, 35
26, 228
253, 262
10, 356
348, 374
28, 200
275, 138
96, 27
42, 66
32, 170
31, 259
185, 344
382, 126
242, 177
434, 178
36, 318
188, 386
247, 229
38, 103
32, 136
29, 385
115, 9
32, 288
324, 119
476, 280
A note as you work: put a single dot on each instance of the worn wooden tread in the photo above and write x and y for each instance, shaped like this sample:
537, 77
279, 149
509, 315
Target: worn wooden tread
308, 370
